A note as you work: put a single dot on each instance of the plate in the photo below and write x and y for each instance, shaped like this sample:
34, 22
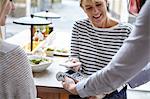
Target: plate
39, 63
70, 64
61, 52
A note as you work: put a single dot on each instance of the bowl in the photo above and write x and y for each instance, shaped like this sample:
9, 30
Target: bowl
49, 52
39, 63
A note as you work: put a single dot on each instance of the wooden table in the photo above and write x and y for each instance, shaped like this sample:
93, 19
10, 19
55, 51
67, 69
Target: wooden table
47, 85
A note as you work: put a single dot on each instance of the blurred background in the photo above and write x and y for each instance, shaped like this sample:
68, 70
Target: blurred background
69, 12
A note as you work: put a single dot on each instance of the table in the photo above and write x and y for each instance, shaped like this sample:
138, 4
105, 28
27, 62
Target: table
46, 14
47, 85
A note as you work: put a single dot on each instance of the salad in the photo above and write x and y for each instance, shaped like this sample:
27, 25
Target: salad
38, 61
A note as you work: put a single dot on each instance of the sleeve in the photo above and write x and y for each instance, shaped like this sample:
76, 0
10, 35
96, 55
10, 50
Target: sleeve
142, 77
21, 78
129, 28
75, 41
129, 60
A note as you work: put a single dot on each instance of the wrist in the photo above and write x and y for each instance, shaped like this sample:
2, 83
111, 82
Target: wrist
75, 90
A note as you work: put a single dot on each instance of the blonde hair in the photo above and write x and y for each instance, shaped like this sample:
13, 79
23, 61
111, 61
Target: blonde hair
1, 6
2, 3
107, 2
0, 34
82, 1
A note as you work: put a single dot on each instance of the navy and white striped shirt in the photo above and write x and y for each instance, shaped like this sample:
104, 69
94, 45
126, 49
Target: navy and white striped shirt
95, 47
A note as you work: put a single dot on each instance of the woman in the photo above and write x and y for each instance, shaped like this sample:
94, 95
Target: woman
16, 80
129, 60
96, 40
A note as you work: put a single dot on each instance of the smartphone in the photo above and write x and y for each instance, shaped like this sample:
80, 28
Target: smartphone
76, 76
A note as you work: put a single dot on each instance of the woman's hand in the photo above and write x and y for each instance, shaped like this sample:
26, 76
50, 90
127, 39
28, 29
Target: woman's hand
75, 60
69, 85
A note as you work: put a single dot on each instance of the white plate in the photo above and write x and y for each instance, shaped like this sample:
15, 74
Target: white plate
61, 54
42, 65
70, 64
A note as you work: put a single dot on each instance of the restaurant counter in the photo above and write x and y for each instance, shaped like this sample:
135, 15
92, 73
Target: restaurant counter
47, 85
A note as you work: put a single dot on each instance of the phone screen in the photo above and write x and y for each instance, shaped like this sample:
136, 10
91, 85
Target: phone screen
70, 72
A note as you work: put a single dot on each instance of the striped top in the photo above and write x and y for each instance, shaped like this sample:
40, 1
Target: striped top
16, 80
95, 47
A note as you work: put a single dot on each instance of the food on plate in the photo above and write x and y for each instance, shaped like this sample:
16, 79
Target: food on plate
49, 51
62, 50
39, 63
35, 61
